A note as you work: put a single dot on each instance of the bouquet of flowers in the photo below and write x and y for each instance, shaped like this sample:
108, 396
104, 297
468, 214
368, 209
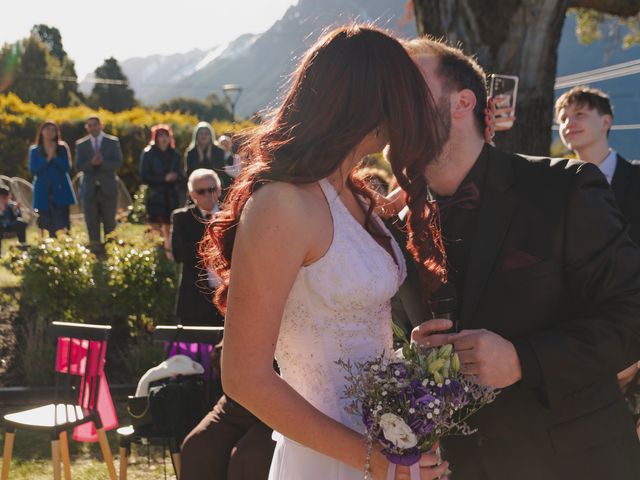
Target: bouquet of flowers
409, 402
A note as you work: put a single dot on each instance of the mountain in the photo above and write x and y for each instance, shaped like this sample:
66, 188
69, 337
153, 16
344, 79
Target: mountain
143, 72
159, 78
259, 63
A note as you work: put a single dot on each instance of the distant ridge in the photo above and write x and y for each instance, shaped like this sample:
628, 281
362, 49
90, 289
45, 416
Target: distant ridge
260, 63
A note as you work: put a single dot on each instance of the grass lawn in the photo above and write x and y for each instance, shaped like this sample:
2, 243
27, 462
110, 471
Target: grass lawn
32, 458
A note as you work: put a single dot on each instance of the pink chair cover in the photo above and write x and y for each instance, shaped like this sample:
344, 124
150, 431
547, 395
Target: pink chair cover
78, 359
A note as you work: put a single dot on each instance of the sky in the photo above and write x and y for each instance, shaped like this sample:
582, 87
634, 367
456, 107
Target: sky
93, 31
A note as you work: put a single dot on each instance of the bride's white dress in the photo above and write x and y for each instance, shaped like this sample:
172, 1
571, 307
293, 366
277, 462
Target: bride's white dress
339, 307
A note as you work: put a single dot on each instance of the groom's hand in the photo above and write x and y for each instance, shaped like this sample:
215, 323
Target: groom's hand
426, 333
487, 356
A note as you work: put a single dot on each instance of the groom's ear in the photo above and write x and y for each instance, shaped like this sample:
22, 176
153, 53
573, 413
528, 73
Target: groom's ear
465, 102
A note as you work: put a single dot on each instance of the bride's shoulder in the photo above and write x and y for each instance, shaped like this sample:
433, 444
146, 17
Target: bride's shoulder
284, 195
284, 202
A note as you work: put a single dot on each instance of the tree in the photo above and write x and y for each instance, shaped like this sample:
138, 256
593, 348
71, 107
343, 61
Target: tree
61, 67
51, 37
516, 37
30, 82
114, 96
38, 70
211, 108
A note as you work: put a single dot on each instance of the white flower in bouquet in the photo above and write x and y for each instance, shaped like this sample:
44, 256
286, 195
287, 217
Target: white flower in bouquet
397, 431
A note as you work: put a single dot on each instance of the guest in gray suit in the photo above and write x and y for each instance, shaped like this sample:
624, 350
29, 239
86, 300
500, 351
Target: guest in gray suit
98, 156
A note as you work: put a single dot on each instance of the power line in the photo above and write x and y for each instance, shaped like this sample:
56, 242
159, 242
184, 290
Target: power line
599, 74
630, 126
602, 69
68, 78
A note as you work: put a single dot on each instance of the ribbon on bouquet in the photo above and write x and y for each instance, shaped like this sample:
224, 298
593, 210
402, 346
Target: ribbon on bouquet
414, 471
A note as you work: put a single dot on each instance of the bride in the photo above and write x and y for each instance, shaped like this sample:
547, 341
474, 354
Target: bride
313, 267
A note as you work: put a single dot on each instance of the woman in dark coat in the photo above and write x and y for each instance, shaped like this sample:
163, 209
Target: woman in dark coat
204, 153
50, 163
160, 170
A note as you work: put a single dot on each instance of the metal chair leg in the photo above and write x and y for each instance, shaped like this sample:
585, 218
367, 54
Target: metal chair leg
106, 453
66, 458
9, 437
55, 459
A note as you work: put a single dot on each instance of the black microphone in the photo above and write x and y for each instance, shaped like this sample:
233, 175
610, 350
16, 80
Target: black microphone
444, 304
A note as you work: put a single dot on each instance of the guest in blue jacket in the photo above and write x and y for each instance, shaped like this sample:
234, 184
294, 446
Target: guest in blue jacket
49, 163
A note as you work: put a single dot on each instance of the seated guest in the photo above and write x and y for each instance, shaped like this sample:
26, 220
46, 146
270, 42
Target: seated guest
194, 305
230, 443
10, 217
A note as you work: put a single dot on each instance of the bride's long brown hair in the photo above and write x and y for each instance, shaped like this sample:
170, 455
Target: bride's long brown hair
353, 80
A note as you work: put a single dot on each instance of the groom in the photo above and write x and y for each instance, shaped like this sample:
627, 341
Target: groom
548, 288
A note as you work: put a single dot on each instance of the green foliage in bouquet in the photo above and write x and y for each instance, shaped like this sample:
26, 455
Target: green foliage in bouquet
440, 362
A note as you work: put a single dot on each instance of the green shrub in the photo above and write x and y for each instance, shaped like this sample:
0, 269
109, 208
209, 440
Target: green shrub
140, 355
141, 282
63, 280
58, 277
37, 352
138, 211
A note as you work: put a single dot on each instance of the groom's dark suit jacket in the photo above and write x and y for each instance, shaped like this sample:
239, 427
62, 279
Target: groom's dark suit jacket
552, 269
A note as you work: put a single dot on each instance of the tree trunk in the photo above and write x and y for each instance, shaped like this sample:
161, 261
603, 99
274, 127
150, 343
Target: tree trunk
518, 37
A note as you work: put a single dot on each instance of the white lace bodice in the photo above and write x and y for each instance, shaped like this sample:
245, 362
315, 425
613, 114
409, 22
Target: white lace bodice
338, 307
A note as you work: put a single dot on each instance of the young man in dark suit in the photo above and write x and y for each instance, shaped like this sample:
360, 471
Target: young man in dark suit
548, 292
99, 157
585, 116
194, 305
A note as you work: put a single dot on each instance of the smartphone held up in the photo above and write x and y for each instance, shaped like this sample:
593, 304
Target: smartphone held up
504, 90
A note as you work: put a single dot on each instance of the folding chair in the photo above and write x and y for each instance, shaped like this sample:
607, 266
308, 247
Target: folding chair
22, 192
78, 373
178, 340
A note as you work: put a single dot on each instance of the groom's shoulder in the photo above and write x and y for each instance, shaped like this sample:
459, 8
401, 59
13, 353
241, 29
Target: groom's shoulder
548, 165
549, 170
